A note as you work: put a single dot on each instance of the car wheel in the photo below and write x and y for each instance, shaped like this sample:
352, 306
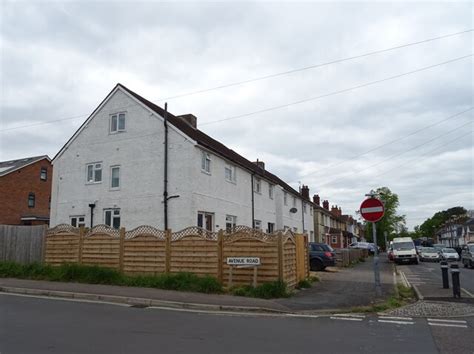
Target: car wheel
464, 263
471, 264
316, 264
416, 261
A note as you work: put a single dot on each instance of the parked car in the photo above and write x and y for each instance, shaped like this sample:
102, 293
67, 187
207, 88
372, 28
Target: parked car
404, 250
321, 256
429, 254
363, 246
449, 254
467, 255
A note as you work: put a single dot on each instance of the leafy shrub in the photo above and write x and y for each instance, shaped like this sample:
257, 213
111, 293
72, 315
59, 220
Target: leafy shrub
269, 290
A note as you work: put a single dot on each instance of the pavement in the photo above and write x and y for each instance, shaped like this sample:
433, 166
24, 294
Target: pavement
338, 289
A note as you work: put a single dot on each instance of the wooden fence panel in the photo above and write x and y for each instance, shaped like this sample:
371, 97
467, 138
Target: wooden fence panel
62, 245
302, 270
194, 254
290, 262
22, 244
144, 255
101, 246
248, 246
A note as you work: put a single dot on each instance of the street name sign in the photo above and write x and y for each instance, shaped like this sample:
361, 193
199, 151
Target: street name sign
243, 261
372, 209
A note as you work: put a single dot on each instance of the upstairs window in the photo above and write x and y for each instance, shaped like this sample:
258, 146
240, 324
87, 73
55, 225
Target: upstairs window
44, 174
112, 218
257, 185
31, 200
285, 198
270, 191
115, 177
117, 123
294, 202
206, 162
304, 208
230, 173
94, 173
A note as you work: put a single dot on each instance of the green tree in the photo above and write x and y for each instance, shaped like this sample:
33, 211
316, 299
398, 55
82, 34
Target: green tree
392, 223
429, 226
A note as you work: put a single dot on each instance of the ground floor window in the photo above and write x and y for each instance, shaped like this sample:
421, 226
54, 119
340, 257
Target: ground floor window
205, 220
271, 227
334, 239
112, 218
230, 223
78, 220
257, 224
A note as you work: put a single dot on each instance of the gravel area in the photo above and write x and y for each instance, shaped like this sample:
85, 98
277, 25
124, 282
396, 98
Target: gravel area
434, 309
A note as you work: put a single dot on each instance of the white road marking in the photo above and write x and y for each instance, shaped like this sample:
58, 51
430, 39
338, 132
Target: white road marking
396, 322
346, 318
442, 320
348, 315
396, 318
57, 298
467, 292
447, 325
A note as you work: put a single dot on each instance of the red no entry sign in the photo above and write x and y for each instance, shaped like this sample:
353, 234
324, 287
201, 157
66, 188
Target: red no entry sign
372, 209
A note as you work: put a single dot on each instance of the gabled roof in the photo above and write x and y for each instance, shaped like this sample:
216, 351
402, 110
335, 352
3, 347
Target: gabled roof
7, 167
214, 145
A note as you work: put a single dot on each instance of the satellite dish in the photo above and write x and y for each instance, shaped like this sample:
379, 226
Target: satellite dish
293, 210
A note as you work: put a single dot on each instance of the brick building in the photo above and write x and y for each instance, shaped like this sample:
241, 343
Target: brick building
25, 191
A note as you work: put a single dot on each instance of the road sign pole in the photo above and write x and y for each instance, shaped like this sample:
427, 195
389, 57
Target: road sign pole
378, 288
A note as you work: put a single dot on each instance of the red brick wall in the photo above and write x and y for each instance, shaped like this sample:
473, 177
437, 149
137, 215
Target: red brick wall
339, 241
15, 188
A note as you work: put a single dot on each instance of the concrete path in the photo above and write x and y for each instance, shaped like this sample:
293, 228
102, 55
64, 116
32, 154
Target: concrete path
343, 288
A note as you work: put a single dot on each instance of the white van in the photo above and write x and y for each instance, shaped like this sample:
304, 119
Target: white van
404, 250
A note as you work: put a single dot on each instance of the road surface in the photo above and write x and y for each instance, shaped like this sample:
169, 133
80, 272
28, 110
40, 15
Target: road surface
42, 325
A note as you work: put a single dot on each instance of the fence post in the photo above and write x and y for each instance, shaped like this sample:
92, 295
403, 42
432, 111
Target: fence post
81, 244
220, 255
121, 248
43, 244
167, 251
280, 256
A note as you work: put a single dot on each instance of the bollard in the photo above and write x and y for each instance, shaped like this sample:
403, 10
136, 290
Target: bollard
444, 273
456, 282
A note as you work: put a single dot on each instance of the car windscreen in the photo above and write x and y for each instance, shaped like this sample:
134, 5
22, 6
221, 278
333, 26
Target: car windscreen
328, 248
449, 250
403, 246
425, 250
471, 248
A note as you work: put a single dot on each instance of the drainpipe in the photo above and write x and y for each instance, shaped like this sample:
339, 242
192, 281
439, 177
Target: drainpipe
253, 206
92, 206
165, 187
302, 212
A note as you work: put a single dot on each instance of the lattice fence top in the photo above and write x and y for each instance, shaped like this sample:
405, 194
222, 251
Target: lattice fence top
242, 232
145, 230
62, 229
103, 229
194, 231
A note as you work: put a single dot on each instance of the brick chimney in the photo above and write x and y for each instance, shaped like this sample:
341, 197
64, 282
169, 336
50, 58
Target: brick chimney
260, 164
190, 119
316, 199
305, 192
326, 204
336, 211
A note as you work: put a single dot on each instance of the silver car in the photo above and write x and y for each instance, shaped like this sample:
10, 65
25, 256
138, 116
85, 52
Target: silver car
429, 254
449, 254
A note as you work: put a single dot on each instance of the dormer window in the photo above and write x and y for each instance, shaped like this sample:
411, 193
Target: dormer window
117, 122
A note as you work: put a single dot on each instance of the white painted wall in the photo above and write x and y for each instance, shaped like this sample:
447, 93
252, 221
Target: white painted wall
139, 152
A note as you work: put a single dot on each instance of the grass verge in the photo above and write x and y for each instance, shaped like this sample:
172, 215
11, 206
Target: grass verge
271, 290
101, 275
404, 296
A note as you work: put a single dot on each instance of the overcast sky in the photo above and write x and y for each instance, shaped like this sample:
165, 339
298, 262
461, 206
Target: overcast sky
60, 59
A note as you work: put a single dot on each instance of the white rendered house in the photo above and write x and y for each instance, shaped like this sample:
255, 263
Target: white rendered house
112, 171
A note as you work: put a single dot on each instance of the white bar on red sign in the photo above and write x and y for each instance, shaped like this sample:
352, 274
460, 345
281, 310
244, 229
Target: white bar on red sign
372, 210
